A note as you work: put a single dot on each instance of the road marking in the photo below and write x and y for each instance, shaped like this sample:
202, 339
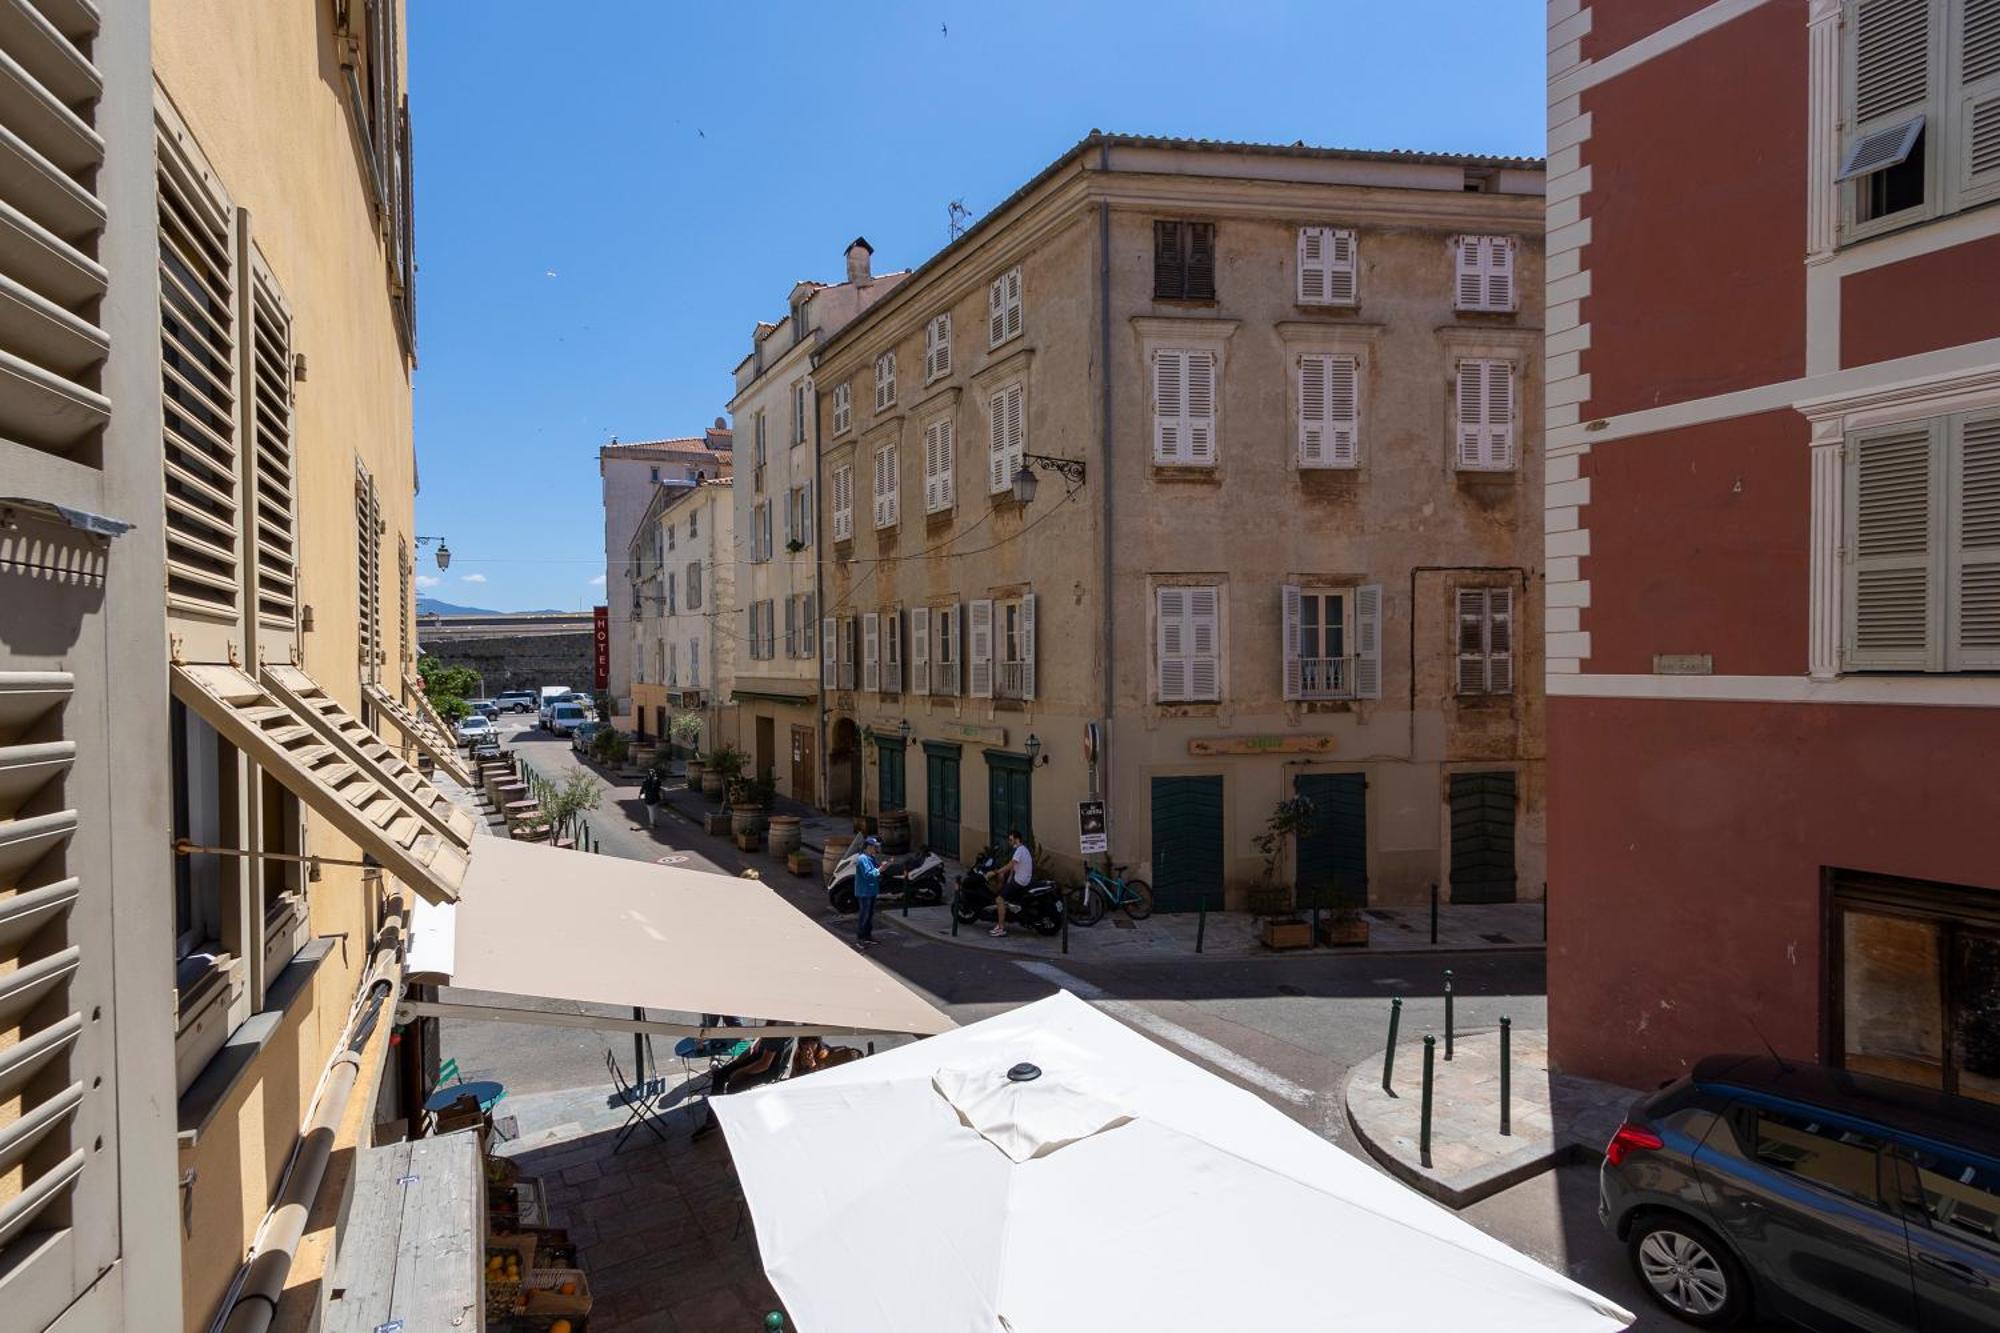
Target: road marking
1192, 1042
671, 860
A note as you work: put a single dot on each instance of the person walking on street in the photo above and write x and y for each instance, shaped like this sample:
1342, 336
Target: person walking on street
867, 888
649, 794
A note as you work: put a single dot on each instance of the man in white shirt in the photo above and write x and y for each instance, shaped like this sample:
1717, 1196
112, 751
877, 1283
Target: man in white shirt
1020, 869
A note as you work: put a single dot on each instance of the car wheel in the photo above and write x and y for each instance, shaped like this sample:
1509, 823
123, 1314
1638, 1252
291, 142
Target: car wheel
1690, 1272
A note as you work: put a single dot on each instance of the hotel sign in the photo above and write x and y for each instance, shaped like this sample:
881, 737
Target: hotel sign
601, 639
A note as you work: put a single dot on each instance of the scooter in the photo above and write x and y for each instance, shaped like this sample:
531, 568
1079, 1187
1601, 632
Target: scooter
918, 876
1039, 903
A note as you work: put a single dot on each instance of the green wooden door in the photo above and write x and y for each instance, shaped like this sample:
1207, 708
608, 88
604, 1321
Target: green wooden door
941, 800
1482, 837
1187, 843
889, 790
1332, 867
1009, 786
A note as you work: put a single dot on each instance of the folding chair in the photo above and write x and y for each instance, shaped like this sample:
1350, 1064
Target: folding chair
640, 1109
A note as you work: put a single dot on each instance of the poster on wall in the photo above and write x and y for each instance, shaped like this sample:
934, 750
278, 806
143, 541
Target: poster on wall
1092, 839
601, 639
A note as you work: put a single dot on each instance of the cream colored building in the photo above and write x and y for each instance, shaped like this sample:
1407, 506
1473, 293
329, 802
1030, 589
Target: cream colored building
776, 682
205, 609
1281, 405
690, 630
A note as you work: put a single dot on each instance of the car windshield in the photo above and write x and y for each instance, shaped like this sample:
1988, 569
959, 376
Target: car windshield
568, 710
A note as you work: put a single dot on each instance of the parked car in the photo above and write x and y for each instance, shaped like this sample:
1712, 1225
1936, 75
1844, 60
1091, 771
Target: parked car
486, 708
576, 697
472, 727
584, 733
1832, 1199
517, 701
566, 718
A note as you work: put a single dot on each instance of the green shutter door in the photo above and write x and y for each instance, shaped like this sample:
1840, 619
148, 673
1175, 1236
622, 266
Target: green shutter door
1482, 837
1332, 869
1008, 787
941, 800
890, 790
1187, 843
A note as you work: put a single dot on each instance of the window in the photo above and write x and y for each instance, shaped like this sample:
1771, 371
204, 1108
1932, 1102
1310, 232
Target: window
885, 380
1485, 640
1327, 267
799, 625
945, 648
938, 451
1329, 411
694, 524
937, 348
1922, 529
1961, 1196
672, 594
1003, 307
1318, 644
843, 502
757, 456
274, 531
1188, 652
1183, 407
799, 516
1001, 648
846, 646
871, 651
843, 407
763, 630
368, 571
1825, 1152
1007, 438
673, 664
802, 406
758, 553
1184, 261
694, 586
808, 646
887, 498
1484, 277
892, 652
670, 536
1485, 415
694, 664
656, 476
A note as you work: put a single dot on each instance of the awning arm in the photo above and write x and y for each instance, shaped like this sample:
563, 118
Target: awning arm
499, 1013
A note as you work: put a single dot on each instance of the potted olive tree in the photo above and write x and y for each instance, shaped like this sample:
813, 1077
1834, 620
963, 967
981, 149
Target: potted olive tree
1283, 927
750, 801
725, 765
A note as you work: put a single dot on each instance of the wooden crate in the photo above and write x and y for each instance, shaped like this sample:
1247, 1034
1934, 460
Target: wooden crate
540, 1294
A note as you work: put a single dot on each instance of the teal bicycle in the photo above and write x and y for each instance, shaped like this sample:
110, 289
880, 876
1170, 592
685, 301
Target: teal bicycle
1103, 890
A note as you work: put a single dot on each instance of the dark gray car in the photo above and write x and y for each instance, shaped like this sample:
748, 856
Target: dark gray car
1845, 1203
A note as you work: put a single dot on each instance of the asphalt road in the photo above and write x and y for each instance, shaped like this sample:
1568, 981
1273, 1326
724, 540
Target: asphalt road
1286, 1028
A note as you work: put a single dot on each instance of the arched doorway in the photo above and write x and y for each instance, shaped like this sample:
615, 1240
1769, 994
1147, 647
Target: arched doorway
843, 768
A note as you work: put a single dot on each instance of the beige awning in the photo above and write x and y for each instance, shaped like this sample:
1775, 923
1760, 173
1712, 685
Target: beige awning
384, 818
545, 922
419, 732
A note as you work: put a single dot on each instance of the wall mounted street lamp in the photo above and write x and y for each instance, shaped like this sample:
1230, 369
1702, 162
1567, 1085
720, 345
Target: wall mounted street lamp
1032, 747
1025, 485
903, 729
443, 551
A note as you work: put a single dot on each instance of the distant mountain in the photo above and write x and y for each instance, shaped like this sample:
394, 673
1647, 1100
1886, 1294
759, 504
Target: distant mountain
431, 606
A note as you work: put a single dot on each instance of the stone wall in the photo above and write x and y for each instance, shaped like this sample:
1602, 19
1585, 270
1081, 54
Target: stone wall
521, 661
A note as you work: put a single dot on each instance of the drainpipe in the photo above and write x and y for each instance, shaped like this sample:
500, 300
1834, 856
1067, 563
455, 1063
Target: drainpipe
253, 1300
1105, 471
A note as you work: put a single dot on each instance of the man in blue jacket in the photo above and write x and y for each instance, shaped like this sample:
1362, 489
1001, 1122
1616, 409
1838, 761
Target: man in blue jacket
867, 888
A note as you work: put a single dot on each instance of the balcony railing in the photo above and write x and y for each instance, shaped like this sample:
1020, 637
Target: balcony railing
1010, 680
1326, 678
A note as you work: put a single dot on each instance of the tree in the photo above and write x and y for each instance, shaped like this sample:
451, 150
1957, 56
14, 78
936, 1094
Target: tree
447, 687
573, 794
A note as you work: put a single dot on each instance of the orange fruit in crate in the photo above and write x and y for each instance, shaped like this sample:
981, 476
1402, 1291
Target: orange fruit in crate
566, 1289
560, 1326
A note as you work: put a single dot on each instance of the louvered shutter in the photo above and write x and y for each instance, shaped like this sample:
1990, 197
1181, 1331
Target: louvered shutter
268, 482
920, 650
1169, 404
1288, 646
996, 311
937, 466
1343, 412
1470, 282
843, 407
829, 655
1342, 287
937, 347
1499, 432
871, 651
1204, 644
1974, 569
980, 636
1889, 83
1201, 261
1499, 273
998, 477
1027, 646
1313, 410
1013, 281
892, 652
1326, 266
1471, 413
1472, 641
1500, 640
791, 516
1892, 509
1017, 432
1170, 649
951, 648
1368, 641
1198, 418
843, 503
1169, 266
1978, 99
791, 627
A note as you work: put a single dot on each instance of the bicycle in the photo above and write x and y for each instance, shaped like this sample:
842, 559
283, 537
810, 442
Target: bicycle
1102, 890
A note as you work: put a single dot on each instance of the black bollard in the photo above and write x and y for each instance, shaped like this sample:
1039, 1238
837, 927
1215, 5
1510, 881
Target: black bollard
1506, 1076
1389, 1055
952, 911
1447, 1013
1424, 1122
1064, 908
1434, 914
1201, 923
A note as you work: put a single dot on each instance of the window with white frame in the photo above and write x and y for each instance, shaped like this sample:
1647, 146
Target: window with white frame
892, 651
1000, 647
843, 502
1318, 650
1484, 273
885, 380
1187, 658
802, 406
1922, 537
1327, 266
947, 624
843, 407
1485, 640
759, 550
888, 487
1003, 307
799, 516
1184, 406
1485, 415
1329, 411
1007, 436
938, 451
937, 347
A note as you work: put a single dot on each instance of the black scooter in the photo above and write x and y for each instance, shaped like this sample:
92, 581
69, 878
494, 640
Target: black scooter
1039, 903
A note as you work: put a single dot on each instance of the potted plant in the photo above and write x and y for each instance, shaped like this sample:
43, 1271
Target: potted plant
569, 798
685, 731
1346, 928
1283, 927
750, 801
725, 765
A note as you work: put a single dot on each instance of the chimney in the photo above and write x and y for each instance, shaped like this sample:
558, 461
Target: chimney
857, 262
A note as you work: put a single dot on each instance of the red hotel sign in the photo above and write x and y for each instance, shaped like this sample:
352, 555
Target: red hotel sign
601, 631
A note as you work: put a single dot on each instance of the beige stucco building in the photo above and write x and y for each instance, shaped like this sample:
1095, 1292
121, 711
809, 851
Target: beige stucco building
775, 686
686, 559
1282, 408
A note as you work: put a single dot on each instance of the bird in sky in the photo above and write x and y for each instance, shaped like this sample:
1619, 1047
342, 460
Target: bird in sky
945, 29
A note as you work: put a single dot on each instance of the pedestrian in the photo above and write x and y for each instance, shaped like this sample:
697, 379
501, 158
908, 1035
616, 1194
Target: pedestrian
1019, 871
649, 794
867, 888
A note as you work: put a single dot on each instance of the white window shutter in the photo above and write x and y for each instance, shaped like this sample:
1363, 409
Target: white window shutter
1312, 410
1017, 431
1499, 414
1342, 268
1289, 645
1892, 532
791, 507
1312, 265
1973, 574
1469, 281
920, 650
829, 655
1027, 646
1499, 273
1170, 649
1343, 412
1368, 641
1471, 415
996, 311
981, 636
871, 651
1500, 640
1471, 641
847, 647
1204, 643
998, 477
930, 468
1013, 301
892, 652
946, 446
1169, 437
1198, 419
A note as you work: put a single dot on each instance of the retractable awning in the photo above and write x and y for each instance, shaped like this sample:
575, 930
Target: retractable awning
394, 823
417, 729
553, 924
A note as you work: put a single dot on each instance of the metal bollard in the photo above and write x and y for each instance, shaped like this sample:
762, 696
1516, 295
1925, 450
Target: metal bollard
1201, 923
1506, 1076
1447, 1013
774, 1322
1389, 1055
1434, 914
952, 912
1424, 1132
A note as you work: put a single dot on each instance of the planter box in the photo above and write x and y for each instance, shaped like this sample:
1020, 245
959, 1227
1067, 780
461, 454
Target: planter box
1288, 935
717, 822
799, 862
751, 841
1344, 934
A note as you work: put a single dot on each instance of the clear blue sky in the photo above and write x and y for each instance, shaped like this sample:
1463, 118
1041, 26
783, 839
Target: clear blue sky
609, 199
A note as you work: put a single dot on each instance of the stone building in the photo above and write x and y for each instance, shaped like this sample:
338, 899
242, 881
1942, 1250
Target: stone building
776, 683
686, 622
1195, 477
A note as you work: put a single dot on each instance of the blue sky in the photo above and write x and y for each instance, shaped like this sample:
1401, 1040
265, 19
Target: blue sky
607, 202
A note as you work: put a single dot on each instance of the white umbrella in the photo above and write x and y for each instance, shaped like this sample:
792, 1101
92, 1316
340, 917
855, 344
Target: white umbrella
1117, 1186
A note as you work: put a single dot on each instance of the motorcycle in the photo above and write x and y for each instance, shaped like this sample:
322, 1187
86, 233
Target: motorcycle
918, 876
1039, 903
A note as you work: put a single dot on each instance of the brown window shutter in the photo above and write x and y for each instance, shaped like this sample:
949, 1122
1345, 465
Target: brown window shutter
1169, 272
1200, 260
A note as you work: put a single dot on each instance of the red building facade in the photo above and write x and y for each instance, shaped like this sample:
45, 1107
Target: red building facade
1773, 535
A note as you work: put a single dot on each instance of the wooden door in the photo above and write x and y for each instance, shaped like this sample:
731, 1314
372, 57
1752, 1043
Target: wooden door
941, 803
1482, 837
805, 764
1332, 865
767, 747
1187, 843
